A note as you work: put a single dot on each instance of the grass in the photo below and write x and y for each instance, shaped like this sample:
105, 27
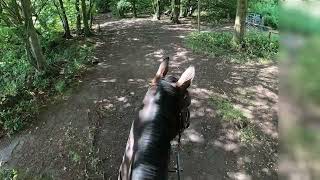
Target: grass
256, 45
75, 157
247, 134
14, 174
229, 114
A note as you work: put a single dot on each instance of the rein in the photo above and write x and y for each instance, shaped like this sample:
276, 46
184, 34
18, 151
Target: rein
183, 124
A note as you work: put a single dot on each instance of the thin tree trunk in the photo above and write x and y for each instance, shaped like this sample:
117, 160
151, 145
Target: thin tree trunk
33, 40
65, 21
78, 22
85, 18
134, 8
90, 14
240, 22
157, 9
175, 11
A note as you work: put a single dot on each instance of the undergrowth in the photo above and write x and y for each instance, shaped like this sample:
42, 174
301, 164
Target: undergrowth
23, 89
256, 45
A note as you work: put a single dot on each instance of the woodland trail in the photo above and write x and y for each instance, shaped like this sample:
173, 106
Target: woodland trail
84, 136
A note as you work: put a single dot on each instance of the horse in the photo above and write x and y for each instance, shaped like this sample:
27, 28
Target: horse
164, 115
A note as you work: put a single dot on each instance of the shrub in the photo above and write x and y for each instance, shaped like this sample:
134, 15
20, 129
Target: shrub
123, 7
269, 10
209, 42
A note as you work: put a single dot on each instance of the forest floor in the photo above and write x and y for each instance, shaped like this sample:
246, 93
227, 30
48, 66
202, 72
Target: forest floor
84, 135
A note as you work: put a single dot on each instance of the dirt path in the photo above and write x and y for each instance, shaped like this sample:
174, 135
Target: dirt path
85, 135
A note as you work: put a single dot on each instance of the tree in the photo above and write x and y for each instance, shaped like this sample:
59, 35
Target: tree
240, 22
157, 9
32, 43
78, 21
175, 11
134, 8
85, 18
64, 19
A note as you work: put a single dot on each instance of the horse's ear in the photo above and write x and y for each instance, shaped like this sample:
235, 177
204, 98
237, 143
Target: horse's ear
162, 71
185, 80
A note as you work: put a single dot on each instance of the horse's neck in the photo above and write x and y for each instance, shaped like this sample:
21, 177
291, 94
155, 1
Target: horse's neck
152, 149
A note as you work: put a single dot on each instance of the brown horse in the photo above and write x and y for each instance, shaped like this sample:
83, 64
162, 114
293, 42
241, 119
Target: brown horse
162, 118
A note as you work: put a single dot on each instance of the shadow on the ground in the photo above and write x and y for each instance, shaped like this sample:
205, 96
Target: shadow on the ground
85, 136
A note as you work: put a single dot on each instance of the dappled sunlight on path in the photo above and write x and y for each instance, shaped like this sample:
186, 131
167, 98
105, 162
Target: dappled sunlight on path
93, 123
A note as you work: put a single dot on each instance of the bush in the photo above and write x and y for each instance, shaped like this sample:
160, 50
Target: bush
123, 7
269, 10
270, 21
209, 42
144, 6
219, 43
103, 5
258, 44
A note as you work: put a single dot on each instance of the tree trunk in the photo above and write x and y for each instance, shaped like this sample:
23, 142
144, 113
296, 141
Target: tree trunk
240, 22
157, 9
78, 22
85, 18
134, 8
33, 43
175, 11
182, 8
65, 21
90, 14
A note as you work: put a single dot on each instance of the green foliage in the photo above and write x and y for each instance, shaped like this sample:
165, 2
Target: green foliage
8, 174
217, 10
227, 112
60, 86
209, 42
24, 88
75, 157
144, 6
123, 7
219, 43
248, 134
258, 44
268, 9
103, 5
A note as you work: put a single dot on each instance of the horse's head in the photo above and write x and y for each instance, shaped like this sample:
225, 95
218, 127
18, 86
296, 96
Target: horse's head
171, 96
164, 115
